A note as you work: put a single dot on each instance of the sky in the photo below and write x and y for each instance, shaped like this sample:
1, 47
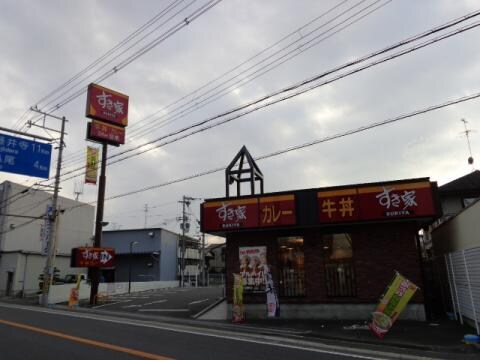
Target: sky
199, 67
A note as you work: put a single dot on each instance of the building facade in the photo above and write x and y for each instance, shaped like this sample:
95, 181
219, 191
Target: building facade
21, 259
152, 254
331, 251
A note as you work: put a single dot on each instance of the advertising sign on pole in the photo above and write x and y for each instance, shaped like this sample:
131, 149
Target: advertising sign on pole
45, 230
92, 257
392, 303
24, 157
91, 172
105, 133
107, 105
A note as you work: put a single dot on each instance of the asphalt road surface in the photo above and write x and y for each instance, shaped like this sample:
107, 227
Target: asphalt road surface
39, 333
177, 302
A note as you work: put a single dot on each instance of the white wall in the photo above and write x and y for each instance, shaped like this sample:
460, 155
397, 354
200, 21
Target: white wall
458, 233
61, 293
35, 265
75, 226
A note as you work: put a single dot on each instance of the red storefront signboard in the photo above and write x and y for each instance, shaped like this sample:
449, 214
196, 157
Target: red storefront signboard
107, 105
277, 210
230, 214
380, 202
338, 205
92, 257
104, 132
397, 201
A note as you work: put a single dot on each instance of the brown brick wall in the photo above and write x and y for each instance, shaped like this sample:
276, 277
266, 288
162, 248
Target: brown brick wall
378, 251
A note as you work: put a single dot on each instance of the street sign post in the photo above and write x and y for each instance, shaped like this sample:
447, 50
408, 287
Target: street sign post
108, 110
93, 257
24, 157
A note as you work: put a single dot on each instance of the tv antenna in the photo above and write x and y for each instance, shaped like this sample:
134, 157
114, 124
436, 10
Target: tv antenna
467, 135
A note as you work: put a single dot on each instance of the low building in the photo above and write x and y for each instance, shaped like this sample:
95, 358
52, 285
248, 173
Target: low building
21, 222
456, 249
331, 251
142, 255
215, 258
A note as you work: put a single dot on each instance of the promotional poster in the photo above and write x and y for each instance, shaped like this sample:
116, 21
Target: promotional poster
253, 260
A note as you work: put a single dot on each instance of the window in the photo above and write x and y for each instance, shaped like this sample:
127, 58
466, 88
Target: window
291, 266
339, 269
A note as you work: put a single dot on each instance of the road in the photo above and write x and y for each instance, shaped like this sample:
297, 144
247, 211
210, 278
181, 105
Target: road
176, 302
39, 333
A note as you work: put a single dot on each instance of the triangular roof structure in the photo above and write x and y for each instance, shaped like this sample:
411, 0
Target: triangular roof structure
468, 184
246, 170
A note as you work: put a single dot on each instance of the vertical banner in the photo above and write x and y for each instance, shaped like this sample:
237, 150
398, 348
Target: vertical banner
74, 293
253, 260
45, 230
92, 165
273, 306
392, 303
238, 309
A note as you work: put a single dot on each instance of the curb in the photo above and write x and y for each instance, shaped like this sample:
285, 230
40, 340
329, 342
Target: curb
208, 308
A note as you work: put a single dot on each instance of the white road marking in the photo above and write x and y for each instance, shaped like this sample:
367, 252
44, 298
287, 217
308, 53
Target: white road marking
131, 306
197, 302
302, 345
114, 303
163, 310
156, 302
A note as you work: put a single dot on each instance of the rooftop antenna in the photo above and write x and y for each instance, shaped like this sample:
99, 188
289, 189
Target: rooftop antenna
467, 135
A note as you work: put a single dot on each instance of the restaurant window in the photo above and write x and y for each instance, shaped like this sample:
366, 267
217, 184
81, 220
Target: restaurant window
339, 269
291, 266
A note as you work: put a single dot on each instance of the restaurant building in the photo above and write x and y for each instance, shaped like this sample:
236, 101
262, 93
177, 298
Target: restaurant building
331, 251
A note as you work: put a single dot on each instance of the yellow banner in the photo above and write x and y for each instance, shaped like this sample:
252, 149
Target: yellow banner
238, 309
392, 303
92, 165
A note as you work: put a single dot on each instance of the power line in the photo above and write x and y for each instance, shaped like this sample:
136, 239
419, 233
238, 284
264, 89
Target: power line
252, 76
143, 50
298, 87
315, 85
302, 146
111, 51
404, 42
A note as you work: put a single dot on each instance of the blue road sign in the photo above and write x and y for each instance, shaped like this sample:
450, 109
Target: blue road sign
24, 157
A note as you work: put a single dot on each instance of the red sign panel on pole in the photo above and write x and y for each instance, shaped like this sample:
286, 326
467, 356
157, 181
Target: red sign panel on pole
92, 257
104, 132
277, 210
231, 214
107, 105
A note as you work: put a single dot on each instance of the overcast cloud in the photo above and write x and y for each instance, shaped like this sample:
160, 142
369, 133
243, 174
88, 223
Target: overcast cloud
45, 43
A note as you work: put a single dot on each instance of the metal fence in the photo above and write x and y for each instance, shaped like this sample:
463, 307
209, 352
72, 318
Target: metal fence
462, 269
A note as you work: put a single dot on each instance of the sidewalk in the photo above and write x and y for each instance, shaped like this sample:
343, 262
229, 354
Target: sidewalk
439, 336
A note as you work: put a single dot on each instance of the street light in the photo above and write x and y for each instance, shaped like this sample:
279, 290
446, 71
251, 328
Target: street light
156, 256
130, 265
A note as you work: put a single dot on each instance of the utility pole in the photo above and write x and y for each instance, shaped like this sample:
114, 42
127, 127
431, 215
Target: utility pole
53, 214
185, 202
185, 225
146, 215
95, 272
203, 259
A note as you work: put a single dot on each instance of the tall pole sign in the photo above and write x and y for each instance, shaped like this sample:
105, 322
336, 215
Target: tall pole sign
108, 110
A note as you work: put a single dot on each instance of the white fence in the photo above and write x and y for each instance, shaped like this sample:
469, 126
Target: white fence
463, 272
61, 293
